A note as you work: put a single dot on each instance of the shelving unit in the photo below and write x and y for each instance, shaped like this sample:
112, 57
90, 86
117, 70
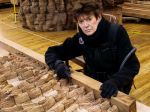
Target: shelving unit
4, 1
139, 9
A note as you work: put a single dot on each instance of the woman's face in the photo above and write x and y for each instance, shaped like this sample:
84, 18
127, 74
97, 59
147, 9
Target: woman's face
88, 23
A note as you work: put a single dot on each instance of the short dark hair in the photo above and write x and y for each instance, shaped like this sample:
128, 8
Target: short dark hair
86, 8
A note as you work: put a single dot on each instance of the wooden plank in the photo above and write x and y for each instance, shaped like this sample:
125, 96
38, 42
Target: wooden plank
4, 1
144, 98
140, 91
136, 10
144, 2
79, 61
123, 101
131, 18
133, 14
142, 108
3, 52
145, 6
133, 1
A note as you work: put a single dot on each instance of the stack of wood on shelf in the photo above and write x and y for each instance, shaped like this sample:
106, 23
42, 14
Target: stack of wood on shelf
111, 3
47, 15
53, 15
137, 8
4, 1
42, 15
27, 86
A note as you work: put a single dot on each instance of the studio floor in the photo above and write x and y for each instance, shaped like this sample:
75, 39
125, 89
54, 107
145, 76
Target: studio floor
39, 42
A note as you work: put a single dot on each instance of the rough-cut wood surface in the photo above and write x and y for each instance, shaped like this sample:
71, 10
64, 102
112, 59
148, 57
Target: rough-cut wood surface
4, 1
136, 10
3, 52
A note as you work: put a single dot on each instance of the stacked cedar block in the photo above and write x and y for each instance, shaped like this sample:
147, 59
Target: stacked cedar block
137, 8
27, 86
53, 15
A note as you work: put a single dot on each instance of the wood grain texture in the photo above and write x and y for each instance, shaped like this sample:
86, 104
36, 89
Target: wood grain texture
136, 10
4, 1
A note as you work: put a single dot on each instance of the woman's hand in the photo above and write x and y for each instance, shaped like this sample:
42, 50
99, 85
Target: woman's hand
109, 88
61, 69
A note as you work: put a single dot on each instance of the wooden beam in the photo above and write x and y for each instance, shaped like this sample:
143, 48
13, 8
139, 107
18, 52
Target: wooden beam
136, 10
3, 52
131, 18
144, 2
136, 5
79, 61
4, 1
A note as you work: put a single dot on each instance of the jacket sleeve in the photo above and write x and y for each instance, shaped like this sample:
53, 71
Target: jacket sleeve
66, 51
131, 67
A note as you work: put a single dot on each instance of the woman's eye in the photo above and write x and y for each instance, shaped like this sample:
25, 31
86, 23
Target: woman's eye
89, 19
80, 21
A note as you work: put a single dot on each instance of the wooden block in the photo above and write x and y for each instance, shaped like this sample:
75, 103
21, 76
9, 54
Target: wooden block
3, 52
131, 18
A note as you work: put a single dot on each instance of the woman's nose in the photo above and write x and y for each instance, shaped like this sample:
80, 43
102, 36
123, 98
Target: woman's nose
85, 24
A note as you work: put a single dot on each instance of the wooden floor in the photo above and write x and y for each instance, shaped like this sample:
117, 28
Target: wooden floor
39, 42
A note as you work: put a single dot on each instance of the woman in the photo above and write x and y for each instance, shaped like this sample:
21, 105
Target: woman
103, 56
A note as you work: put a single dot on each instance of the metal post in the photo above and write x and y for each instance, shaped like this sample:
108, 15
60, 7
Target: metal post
14, 7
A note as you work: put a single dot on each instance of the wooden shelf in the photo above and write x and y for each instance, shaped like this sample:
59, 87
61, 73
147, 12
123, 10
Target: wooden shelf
136, 10
4, 1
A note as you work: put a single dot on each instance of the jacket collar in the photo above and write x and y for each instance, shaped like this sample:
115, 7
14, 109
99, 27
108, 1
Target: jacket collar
99, 37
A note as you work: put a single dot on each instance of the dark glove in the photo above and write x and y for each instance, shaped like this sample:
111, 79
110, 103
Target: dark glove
61, 69
109, 88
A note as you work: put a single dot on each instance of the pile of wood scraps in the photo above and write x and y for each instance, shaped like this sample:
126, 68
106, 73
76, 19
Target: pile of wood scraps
27, 86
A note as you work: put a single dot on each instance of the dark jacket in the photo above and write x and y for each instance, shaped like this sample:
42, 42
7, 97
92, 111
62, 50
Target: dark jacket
102, 56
